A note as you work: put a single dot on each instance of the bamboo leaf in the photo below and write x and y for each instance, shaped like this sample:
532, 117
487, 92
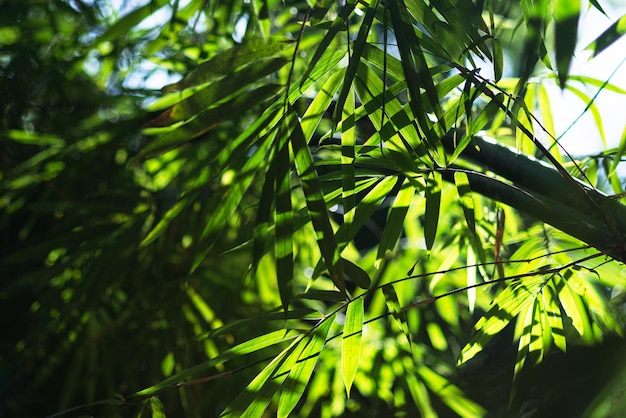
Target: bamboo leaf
348, 140
247, 347
356, 274
507, 305
205, 98
395, 219
566, 14
601, 84
355, 59
467, 202
300, 374
205, 121
319, 105
609, 36
450, 394
412, 58
255, 398
169, 216
573, 306
393, 304
365, 208
233, 197
316, 206
123, 26
433, 206
339, 24
226, 61
498, 59
156, 407
284, 219
546, 112
351, 343
262, 224
555, 320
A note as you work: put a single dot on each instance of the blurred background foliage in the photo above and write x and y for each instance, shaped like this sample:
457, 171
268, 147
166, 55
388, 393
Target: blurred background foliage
141, 241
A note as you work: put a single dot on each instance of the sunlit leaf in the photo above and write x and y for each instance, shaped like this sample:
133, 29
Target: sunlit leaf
253, 401
351, 346
323, 47
465, 197
244, 348
226, 61
555, 320
156, 407
433, 206
395, 219
393, 304
284, 219
124, 25
507, 305
355, 58
300, 374
348, 141
450, 394
317, 208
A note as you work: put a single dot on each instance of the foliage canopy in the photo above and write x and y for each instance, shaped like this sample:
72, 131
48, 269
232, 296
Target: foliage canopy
313, 220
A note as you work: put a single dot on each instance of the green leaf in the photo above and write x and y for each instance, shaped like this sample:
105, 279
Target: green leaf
365, 208
226, 61
300, 374
320, 104
356, 274
351, 345
205, 98
529, 332
498, 59
393, 304
450, 394
284, 218
395, 219
247, 347
507, 305
124, 26
566, 14
609, 36
433, 206
574, 307
218, 220
417, 77
316, 205
555, 320
255, 398
339, 24
203, 122
465, 197
183, 202
355, 59
156, 407
32, 138
348, 160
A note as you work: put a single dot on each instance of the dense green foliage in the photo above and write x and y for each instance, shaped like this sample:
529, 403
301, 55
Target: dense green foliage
312, 220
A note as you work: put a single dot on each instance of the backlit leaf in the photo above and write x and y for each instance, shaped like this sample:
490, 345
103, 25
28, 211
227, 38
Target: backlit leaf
351, 343
300, 374
609, 36
393, 304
